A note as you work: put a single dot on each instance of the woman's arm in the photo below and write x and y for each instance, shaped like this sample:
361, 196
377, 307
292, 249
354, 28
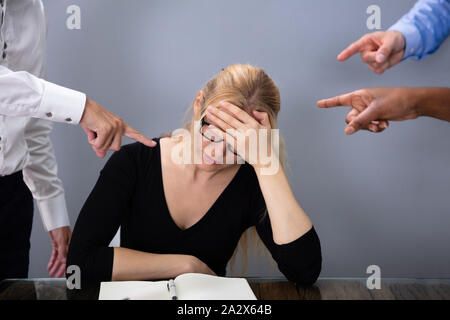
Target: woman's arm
137, 265
130, 264
287, 218
99, 220
286, 230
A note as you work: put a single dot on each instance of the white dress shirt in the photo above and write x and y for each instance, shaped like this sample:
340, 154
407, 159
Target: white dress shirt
27, 103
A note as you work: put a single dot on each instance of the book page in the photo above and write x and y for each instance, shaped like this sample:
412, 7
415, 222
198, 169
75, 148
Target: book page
197, 286
134, 290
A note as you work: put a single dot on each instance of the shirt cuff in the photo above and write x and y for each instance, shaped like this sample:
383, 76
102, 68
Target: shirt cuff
54, 212
61, 104
412, 38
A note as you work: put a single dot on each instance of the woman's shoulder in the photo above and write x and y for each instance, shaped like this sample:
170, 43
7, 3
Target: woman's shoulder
249, 173
137, 149
133, 154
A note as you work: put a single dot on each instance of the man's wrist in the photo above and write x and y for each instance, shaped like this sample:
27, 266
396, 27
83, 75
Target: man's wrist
411, 37
413, 97
400, 40
61, 104
53, 212
86, 106
432, 102
423, 102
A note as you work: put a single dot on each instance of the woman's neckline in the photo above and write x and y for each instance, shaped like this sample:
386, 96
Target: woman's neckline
208, 212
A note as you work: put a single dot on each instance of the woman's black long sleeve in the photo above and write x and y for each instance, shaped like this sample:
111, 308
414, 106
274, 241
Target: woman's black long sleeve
299, 260
129, 194
101, 217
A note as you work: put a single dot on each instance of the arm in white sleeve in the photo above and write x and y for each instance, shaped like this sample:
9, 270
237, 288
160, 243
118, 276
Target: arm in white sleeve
40, 175
23, 94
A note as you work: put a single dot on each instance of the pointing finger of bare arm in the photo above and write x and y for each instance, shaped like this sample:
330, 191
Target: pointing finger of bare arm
363, 120
341, 100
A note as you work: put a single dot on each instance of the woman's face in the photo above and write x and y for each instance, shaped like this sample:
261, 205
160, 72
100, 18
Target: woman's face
215, 149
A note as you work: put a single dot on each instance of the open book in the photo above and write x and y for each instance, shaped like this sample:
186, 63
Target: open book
187, 286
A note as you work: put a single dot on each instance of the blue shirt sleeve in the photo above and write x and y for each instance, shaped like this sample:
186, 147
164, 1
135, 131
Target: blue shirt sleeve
424, 27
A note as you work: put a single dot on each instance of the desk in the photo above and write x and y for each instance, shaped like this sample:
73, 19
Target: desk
264, 289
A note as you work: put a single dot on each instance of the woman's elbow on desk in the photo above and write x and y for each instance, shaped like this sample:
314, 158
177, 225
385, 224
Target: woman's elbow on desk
302, 262
309, 276
94, 266
305, 273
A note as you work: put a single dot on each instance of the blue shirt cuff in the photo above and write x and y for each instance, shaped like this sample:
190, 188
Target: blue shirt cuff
412, 38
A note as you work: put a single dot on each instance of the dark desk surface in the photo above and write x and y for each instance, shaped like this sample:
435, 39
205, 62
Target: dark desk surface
264, 289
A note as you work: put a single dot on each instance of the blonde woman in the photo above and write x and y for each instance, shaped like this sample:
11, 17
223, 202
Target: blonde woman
187, 216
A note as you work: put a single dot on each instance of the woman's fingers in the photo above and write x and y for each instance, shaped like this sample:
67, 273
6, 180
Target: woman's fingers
234, 117
231, 122
215, 133
213, 118
238, 113
262, 117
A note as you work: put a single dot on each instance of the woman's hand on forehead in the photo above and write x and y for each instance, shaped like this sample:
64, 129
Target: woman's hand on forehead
227, 116
236, 126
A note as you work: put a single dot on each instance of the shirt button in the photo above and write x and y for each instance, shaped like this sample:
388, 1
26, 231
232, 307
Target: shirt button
4, 55
68, 119
49, 114
5, 46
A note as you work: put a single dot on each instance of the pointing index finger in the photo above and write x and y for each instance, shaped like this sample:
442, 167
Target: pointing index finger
341, 100
136, 135
355, 47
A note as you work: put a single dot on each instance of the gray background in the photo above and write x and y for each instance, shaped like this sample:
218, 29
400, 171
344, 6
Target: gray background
374, 198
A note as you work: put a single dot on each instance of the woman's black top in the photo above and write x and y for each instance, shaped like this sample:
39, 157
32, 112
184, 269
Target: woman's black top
129, 194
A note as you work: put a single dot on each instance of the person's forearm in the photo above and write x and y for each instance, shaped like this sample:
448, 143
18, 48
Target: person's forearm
40, 175
287, 218
137, 265
23, 94
432, 102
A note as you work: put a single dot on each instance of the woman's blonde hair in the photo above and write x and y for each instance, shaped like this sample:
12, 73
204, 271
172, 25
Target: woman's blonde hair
248, 88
